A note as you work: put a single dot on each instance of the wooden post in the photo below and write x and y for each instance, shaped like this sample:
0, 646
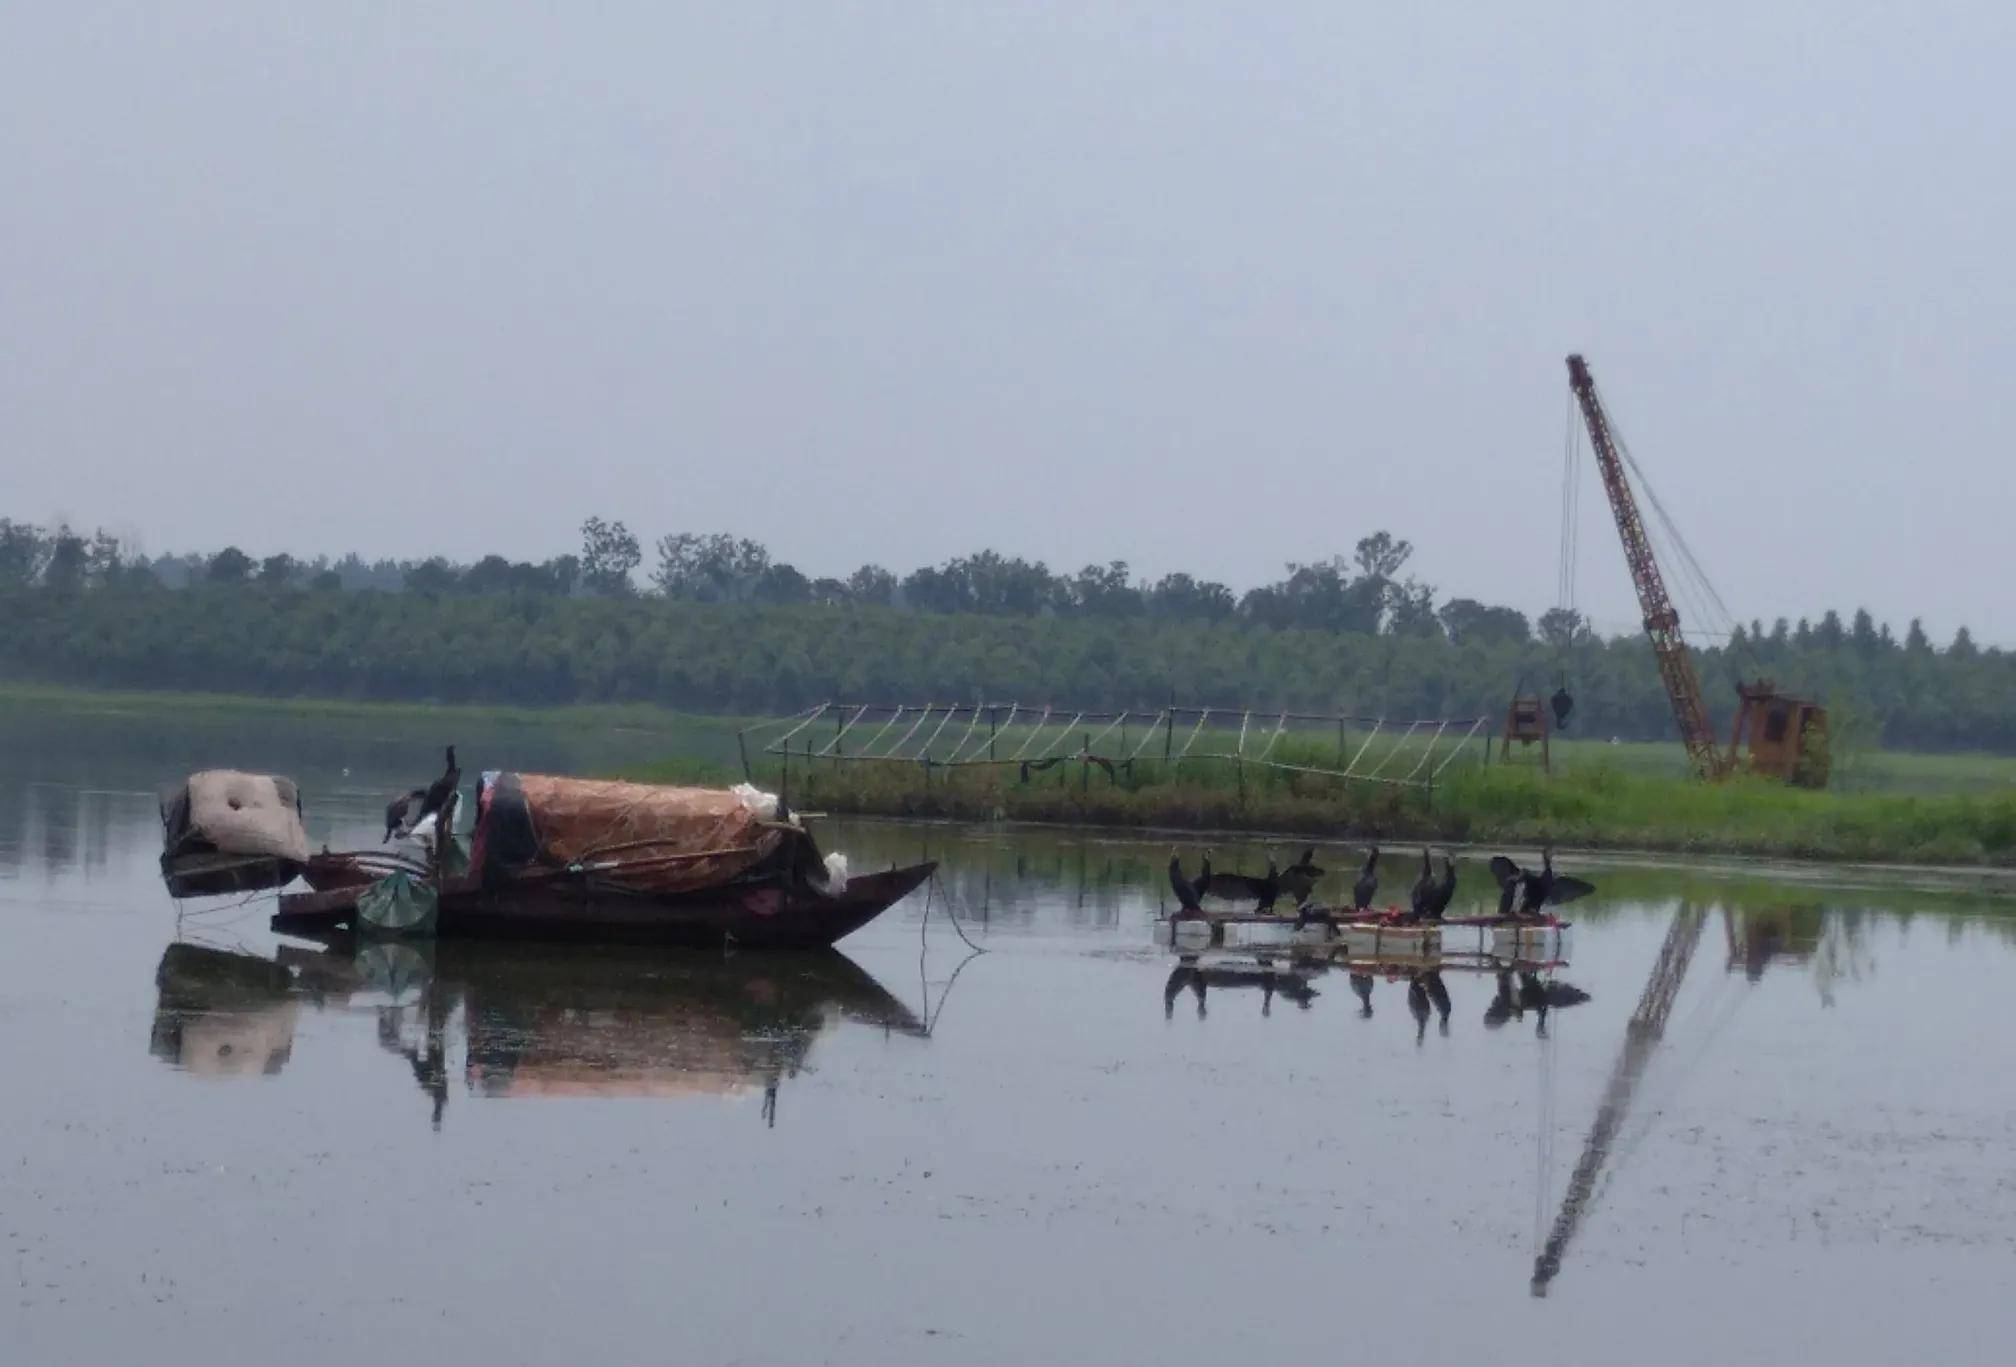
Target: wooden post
990, 735
1084, 761
1168, 732
839, 730
742, 744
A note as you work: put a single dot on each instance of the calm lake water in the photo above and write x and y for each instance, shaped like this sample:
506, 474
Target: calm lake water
220, 1146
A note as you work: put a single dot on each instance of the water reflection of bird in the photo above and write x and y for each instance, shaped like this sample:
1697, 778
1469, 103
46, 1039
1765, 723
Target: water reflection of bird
1502, 1003
1368, 882
1531, 992
1417, 1006
1361, 983
1184, 975
1438, 994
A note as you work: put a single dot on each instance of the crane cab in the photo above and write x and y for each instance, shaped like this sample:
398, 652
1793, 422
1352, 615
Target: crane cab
1787, 735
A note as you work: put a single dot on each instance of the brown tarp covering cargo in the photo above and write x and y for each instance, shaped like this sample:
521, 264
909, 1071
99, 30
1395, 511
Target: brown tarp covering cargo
642, 836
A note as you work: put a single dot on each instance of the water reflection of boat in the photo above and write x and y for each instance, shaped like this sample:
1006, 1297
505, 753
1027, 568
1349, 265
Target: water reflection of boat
221, 1013
546, 1024
541, 1021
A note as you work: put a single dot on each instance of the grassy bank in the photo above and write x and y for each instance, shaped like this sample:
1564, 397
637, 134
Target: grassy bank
1589, 806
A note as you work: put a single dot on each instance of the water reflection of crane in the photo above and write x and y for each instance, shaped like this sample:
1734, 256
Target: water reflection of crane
1641, 1039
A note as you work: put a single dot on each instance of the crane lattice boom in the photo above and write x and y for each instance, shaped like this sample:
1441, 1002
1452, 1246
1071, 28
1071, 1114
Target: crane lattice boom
1662, 622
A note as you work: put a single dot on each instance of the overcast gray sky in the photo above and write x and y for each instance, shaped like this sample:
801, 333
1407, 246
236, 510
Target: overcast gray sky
1199, 286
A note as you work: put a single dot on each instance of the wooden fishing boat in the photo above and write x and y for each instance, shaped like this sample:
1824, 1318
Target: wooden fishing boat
561, 858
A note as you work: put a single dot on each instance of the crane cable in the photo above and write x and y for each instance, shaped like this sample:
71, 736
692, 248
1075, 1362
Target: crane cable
1571, 505
1690, 580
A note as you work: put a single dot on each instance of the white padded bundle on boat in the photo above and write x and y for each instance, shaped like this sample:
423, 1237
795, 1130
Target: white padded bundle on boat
246, 814
763, 804
836, 873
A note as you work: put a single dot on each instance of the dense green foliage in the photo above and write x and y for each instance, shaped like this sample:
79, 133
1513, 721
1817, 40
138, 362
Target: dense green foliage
727, 629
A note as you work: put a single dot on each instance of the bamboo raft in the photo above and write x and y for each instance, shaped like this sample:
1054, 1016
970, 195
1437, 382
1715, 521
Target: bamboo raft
1391, 929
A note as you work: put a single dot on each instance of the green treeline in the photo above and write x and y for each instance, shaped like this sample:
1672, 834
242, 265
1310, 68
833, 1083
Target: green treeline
722, 629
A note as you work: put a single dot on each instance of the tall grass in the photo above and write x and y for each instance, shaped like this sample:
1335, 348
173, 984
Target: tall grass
1584, 803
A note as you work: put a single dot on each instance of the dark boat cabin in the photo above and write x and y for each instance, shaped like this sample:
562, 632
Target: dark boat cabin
1787, 736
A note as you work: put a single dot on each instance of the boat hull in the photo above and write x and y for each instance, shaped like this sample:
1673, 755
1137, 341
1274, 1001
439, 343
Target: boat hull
747, 916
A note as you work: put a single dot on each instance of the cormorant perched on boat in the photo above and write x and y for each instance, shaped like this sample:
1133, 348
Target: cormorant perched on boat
1526, 893
1445, 891
1186, 892
1299, 879
436, 798
1368, 882
399, 809
1421, 899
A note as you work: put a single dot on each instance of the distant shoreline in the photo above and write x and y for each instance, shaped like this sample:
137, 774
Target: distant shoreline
1589, 805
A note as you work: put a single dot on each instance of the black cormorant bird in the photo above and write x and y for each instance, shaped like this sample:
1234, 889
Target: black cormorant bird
1186, 892
438, 794
1445, 891
1236, 886
1526, 893
1368, 882
1298, 880
399, 809
1421, 898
